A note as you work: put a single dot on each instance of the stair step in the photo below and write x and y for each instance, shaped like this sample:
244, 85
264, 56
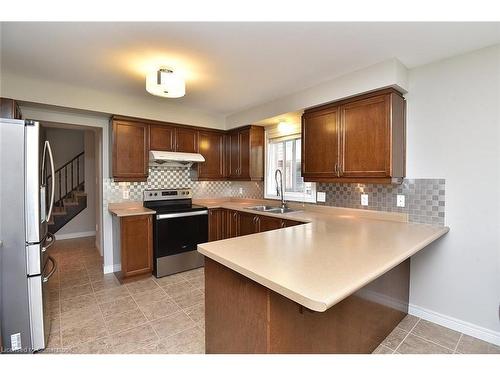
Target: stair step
70, 202
59, 213
79, 193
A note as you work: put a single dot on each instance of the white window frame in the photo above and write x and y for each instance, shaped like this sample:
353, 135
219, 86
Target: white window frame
272, 133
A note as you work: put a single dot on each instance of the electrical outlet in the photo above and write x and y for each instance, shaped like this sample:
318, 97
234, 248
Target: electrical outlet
364, 199
321, 196
126, 194
241, 190
400, 200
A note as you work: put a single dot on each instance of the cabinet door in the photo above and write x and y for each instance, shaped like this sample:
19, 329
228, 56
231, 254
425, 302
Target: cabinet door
266, 223
215, 224
231, 223
136, 239
186, 140
247, 224
161, 138
130, 151
211, 146
320, 143
244, 154
233, 154
291, 223
366, 138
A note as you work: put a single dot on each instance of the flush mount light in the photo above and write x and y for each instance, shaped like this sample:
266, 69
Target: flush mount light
166, 83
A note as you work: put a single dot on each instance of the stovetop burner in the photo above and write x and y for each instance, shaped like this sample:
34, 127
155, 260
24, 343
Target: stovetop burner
170, 200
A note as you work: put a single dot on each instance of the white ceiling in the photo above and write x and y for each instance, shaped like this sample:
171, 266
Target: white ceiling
229, 66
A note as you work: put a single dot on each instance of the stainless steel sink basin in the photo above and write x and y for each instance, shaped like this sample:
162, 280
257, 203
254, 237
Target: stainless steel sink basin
261, 208
274, 210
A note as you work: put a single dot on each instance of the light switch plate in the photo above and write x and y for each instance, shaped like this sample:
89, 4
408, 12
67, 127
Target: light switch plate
400, 200
321, 196
364, 199
126, 194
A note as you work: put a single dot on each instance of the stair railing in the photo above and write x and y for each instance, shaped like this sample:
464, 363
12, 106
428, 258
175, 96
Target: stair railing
67, 178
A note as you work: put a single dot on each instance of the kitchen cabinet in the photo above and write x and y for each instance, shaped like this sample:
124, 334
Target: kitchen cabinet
361, 139
136, 245
161, 138
247, 224
130, 145
231, 223
265, 223
211, 146
245, 153
215, 224
9, 108
186, 140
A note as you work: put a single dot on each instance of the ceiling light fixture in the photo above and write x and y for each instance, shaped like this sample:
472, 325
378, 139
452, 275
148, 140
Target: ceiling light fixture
166, 83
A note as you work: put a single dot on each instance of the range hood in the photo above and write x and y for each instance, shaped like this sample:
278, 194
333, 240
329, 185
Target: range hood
174, 159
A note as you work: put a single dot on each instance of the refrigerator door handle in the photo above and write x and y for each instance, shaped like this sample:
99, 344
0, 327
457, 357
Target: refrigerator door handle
52, 240
54, 268
52, 187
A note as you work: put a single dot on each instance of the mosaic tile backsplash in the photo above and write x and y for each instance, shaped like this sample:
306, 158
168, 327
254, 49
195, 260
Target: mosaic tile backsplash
425, 198
171, 178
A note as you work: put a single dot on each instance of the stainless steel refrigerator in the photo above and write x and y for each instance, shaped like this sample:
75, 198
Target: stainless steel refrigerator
26, 204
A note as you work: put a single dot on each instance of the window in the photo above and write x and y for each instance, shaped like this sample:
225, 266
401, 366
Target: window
284, 153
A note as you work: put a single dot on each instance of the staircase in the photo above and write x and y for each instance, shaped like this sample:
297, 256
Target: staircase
69, 196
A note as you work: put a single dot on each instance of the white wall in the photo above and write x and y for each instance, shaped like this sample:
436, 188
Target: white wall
389, 73
28, 89
454, 133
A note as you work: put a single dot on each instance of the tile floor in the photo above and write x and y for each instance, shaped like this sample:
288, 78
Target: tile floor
94, 313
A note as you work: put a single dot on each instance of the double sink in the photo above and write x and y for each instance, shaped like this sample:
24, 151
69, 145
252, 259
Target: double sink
271, 209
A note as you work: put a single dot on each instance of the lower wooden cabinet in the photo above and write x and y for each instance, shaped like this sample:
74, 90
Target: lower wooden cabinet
224, 223
215, 224
136, 243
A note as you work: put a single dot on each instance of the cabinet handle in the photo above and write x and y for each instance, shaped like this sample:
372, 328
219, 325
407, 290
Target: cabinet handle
340, 170
336, 169
282, 224
234, 215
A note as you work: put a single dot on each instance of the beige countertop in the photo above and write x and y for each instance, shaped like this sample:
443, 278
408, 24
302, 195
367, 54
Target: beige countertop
129, 209
318, 264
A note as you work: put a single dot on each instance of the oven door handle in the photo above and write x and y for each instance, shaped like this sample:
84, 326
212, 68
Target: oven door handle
181, 214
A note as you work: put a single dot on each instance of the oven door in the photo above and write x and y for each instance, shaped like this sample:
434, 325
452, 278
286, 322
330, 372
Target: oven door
177, 233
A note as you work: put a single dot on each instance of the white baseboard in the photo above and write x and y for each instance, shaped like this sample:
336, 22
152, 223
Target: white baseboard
456, 324
75, 235
112, 268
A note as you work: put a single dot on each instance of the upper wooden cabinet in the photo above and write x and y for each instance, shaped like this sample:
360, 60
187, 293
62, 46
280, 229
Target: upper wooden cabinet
186, 140
245, 153
357, 140
10, 109
130, 144
161, 138
211, 146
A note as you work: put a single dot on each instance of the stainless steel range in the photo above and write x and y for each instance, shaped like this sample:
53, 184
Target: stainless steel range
178, 227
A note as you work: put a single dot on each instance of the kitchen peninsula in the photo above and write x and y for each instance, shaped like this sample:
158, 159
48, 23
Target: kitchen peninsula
337, 283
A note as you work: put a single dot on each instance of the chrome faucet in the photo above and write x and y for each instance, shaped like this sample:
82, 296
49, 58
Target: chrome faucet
279, 187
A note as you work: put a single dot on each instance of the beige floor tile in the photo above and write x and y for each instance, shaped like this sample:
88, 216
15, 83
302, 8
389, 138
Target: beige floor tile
100, 346
169, 280
106, 282
150, 296
394, 338
159, 309
108, 295
133, 339
198, 282
471, 345
76, 291
190, 341
123, 321
79, 302
117, 306
172, 324
381, 349
408, 323
54, 340
178, 288
78, 317
197, 272
436, 333
142, 286
415, 345
83, 332
190, 298
74, 281
196, 312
